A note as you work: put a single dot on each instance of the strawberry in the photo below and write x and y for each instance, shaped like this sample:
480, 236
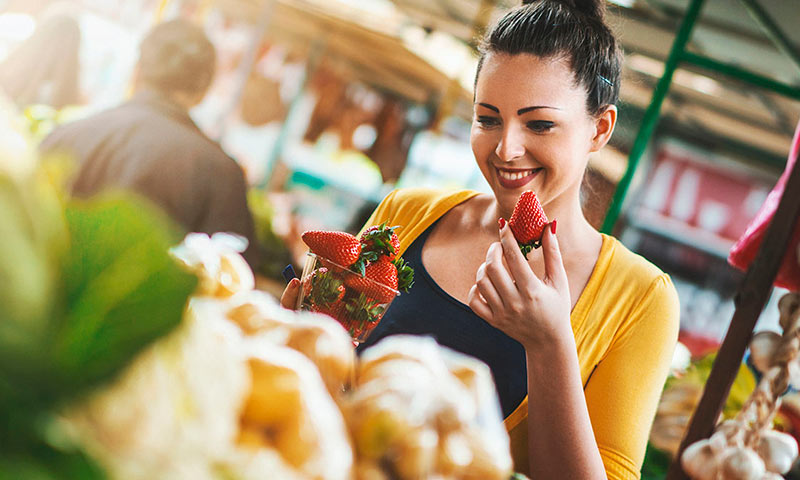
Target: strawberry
339, 247
380, 240
405, 275
377, 277
363, 313
324, 287
337, 310
528, 222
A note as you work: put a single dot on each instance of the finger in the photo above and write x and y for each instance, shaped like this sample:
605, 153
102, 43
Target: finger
479, 305
497, 271
488, 290
521, 272
553, 263
290, 294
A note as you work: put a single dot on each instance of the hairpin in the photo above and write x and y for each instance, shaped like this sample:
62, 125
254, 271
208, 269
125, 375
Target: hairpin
609, 82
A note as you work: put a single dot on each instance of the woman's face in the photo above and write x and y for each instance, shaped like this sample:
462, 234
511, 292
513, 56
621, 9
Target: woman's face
530, 128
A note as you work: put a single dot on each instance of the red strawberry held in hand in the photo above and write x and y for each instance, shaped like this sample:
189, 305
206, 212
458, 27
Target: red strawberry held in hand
528, 222
338, 247
382, 272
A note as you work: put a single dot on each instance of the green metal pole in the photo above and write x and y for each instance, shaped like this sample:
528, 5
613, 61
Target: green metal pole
742, 74
772, 30
651, 116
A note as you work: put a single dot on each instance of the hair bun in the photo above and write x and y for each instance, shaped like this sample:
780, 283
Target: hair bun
591, 8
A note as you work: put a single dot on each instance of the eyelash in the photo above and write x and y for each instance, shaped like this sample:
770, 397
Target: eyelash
538, 126
485, 121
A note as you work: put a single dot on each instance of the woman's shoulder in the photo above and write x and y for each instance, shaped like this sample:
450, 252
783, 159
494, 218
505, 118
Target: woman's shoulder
415, 209
428, 198
633, 279
410, 206
623, 261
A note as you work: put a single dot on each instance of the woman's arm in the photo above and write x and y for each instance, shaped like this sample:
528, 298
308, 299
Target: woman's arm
536, 312
561, 442
622, 393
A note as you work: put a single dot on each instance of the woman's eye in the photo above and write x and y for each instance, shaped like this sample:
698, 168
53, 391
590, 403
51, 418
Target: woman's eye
485, 121
540, 125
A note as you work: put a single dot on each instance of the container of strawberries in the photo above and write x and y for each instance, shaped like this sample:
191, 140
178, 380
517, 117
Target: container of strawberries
353, 279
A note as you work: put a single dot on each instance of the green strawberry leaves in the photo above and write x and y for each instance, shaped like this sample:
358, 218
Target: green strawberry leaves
326, 288
405, 275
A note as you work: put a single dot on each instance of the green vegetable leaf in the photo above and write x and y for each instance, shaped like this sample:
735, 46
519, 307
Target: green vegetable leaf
122, 288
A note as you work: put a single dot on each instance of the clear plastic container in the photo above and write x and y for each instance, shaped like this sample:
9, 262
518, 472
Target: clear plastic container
356, 302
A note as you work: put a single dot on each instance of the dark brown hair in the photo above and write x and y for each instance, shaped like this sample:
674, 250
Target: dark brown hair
177, 56
573, 29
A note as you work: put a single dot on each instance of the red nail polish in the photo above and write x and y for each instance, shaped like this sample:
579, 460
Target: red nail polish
501, 222
553, 226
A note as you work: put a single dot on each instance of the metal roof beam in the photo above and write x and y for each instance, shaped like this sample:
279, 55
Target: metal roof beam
772, 30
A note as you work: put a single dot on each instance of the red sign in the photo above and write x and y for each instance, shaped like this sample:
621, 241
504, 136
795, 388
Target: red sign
712, 198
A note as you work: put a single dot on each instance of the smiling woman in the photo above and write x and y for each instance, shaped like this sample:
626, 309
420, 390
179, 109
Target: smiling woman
579, 336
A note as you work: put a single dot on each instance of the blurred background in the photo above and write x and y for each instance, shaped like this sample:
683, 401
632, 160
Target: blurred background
327, 105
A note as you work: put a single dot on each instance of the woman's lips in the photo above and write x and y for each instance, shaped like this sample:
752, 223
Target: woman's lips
515, 178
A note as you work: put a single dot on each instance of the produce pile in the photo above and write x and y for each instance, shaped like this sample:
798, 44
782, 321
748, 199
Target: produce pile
246, 389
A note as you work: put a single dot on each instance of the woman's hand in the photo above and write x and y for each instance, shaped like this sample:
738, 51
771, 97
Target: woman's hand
289, 295
508, 294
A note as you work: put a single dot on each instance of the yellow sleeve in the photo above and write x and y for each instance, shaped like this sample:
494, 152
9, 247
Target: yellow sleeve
382, 212
622, 393
415, 209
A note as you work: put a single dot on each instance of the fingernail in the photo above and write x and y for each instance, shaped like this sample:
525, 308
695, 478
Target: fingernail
553, 226
501, 222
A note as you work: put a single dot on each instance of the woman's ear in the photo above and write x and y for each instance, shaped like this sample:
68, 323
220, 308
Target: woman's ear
604, 126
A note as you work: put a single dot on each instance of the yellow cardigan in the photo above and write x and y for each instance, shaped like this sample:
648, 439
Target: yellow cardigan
625, 324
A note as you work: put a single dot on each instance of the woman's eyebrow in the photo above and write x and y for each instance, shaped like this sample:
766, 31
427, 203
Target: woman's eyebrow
528, 109
490, 107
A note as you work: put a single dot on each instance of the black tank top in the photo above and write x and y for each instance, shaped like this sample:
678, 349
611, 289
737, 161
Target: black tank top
428, 310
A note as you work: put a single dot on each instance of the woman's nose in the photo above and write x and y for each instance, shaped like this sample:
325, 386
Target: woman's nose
512, 144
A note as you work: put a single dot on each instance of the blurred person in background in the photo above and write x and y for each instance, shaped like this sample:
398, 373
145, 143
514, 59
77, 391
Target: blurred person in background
44, 68
150, 144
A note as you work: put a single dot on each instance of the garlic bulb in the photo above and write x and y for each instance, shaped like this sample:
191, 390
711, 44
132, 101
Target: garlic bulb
741, 463
699, 461
778, 450
788, 306
731, 432
793, 369
762, 349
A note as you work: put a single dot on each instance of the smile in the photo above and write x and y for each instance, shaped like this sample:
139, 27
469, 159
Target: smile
515, 178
